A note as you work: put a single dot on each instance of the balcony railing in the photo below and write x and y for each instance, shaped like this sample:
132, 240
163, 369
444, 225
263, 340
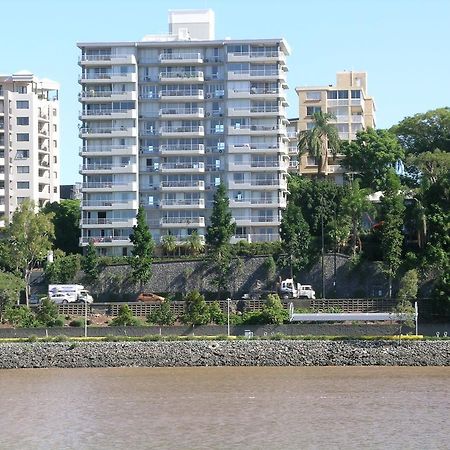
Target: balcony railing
181, 111
181, 75
272, 164
182, 147
104, 112
267, 182
106, 130
179, 56
103, 166
183, 220
181, 93
183, 202
102, 185
182, 165
181, 184
186, 129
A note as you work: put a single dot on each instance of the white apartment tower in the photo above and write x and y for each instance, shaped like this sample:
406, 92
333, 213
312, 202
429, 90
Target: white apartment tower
29, 142
167, 119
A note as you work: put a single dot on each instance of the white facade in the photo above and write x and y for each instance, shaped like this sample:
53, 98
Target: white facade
165, 120
29, 141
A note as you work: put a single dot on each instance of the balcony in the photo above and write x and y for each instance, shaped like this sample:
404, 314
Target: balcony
109, 77
357, 118
254, 111
106, 59
184, 222
108, 113
257, 56
109, 204
256, 148
257, 221
182, 132
181, 113
105, 241
192, 185
181, 95
106, 223
182, 149
256, 130
108, 186
182, 203
112, 149
182, 77
257, 74
181, 58
184, 167
105, 168
269, 184
86, 132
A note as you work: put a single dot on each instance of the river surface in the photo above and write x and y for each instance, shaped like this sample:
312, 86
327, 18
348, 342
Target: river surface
226, 407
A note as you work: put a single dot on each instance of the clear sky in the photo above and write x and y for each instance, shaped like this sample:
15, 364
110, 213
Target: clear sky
404, 45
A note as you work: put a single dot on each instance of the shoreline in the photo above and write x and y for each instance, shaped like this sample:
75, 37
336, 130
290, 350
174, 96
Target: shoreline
223, 353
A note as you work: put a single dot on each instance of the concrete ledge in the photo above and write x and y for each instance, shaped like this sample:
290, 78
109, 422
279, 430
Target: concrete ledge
224, 353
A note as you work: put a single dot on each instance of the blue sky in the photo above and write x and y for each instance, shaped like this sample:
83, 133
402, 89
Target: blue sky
402, 44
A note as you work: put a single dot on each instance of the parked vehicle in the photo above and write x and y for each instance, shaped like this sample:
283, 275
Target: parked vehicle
73, 292
149, 297
61, 298
289, 289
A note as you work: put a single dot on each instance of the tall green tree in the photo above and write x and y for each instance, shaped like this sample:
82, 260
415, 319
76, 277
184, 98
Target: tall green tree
197, 311
295, 237
162, 315
355, 204
28, 239
425, 132
320, 141
66, 220
194, 244
10, 288
371, 157
392, 211
63, 269
143, 247
90, 263
221, 228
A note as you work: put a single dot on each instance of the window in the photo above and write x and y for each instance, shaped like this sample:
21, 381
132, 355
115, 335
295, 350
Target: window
23, 185
21, 89
23, 121
20, 200
22, 104
310, 110
313, 95
54, 113
23, 137
23, 169
356, 93
55, 189
55, 128
238, 178
22, 154
342, 94
332, 95
55, 144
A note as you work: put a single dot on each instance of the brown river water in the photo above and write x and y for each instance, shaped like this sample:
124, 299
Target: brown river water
226, 407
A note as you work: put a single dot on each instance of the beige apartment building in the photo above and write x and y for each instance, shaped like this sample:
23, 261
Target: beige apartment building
167, 119
348, 101
29, 142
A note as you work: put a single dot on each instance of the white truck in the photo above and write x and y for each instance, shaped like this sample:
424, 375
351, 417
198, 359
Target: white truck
69, 293
289, 289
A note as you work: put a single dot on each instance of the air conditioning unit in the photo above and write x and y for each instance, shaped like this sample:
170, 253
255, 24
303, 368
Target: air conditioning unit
208, 95
208, 114
206, 60
220, 150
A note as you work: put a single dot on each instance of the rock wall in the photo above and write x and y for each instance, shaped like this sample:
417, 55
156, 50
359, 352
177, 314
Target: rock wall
224, 353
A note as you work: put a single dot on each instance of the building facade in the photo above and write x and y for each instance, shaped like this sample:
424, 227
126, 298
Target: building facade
349, 102
29, 142
167, 119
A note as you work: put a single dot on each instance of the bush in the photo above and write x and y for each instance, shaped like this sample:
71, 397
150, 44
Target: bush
77, 323
216, 314
47, 314
197, 311
162, 315
21, 317
125, 318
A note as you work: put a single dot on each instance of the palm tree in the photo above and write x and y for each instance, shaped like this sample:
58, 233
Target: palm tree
195, 243
354, 204
169, 244
320, 140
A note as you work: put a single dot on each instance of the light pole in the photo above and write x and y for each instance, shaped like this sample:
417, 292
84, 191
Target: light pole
323, 250
228, 316
85, 317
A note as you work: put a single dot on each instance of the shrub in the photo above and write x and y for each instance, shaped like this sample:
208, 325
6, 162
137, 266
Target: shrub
162, 315
197, 311
216, 314
77, 323
125, 318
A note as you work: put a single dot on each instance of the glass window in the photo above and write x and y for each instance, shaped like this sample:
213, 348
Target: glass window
310, 110
23, 185
23, 120
238, 177
22, 154
356, 93
23, 137
313, 95
342, 94
332, 95
22, 104
23, 169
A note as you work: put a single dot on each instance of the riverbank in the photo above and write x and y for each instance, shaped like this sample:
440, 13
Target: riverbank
224, 353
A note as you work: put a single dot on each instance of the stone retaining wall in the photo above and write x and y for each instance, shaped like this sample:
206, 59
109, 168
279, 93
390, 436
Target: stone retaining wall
224, 353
